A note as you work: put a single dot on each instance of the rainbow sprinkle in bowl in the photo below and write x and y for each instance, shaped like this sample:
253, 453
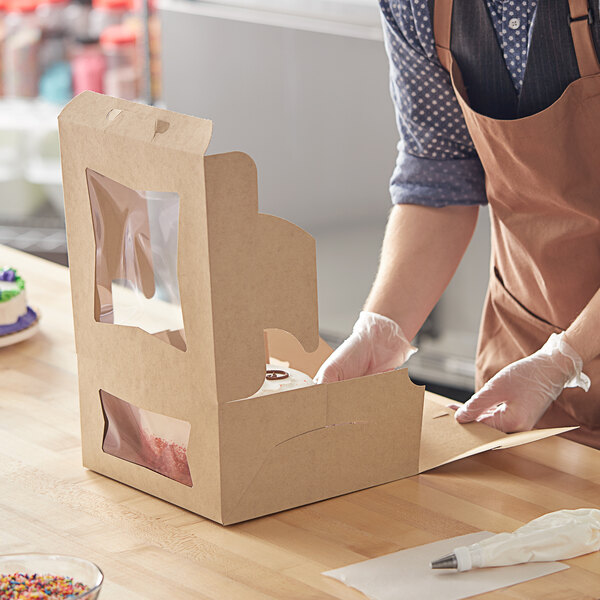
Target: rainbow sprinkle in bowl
48, 576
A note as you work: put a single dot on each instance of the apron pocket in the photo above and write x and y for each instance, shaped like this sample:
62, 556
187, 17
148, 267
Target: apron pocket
510, 328
519, 311
509, 331
518, 332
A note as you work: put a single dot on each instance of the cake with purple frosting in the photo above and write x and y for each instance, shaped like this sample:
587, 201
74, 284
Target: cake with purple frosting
15, 315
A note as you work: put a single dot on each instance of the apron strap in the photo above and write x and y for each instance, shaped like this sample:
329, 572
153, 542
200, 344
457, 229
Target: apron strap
442, 30
580, 21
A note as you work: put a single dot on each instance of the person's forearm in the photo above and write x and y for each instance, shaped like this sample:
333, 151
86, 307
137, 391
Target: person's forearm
421, 251
584, 333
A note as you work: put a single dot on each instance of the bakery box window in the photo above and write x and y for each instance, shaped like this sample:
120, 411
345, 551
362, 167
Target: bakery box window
146, 438
136, 236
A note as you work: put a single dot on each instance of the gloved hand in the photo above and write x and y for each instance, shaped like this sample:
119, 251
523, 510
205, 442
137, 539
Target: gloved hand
517, 396
376, 344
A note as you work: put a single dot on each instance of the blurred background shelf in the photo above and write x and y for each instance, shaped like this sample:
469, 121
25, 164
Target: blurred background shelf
50, 50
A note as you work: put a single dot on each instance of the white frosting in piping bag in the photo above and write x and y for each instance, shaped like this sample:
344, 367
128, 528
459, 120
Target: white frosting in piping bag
558, 535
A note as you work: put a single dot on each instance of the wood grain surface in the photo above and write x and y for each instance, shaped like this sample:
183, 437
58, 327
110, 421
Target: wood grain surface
149, 549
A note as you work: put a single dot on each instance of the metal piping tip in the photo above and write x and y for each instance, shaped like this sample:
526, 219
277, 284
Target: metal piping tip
446, 562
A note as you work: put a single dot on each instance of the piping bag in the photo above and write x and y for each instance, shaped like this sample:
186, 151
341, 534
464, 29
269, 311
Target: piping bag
556, 536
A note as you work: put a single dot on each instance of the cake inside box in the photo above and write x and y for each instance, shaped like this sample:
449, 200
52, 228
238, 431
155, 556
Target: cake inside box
281, 378
15, 315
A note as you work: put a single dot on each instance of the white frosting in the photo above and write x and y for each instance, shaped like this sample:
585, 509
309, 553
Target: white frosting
296, 379
12, 309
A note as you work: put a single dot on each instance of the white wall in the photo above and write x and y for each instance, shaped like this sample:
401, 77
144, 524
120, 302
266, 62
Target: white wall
311, 108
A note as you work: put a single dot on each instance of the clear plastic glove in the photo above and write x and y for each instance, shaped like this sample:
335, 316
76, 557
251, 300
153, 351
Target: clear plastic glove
516, 397
376, 344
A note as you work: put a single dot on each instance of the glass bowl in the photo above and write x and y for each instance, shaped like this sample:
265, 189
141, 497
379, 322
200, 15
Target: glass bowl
78, 569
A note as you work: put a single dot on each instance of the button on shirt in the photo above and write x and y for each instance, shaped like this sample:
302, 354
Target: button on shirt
437, 163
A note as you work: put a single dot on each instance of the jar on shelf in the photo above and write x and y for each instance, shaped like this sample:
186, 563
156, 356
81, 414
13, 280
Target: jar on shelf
121, 78
78, 19
151, 52
51, 18
55, 70
21, 68
51, 15
2, 32
106, 13
88, 65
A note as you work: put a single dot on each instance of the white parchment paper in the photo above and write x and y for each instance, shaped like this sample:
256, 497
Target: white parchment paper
406, 575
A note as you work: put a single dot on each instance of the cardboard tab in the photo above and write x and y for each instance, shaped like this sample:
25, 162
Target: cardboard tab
444, 440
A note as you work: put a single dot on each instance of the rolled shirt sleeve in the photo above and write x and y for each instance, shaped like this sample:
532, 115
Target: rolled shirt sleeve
437, 164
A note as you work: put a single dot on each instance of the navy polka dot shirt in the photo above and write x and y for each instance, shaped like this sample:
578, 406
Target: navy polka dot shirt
437, 164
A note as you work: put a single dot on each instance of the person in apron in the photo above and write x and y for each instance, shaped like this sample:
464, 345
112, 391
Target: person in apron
538, 357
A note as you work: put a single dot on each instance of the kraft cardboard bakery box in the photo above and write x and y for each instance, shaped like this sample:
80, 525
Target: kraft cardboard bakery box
182, 293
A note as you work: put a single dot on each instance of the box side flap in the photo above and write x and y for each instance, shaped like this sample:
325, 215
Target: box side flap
263, 275
513, 440
444, 440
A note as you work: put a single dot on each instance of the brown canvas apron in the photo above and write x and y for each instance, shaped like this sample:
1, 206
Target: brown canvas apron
543, 187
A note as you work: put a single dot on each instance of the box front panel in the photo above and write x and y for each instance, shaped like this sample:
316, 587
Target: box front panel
124, 165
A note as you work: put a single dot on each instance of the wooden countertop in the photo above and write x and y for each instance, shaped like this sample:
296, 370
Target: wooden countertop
149, 549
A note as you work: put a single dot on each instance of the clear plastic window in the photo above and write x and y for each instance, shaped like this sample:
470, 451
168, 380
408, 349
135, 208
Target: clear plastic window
136, 258
146, 438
